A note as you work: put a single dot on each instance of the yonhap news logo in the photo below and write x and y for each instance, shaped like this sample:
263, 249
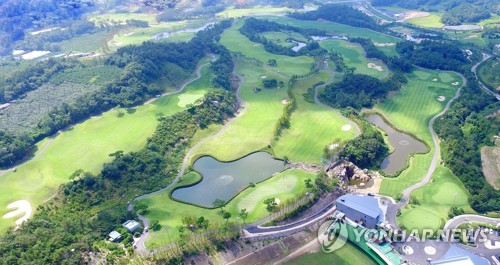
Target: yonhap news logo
332, 235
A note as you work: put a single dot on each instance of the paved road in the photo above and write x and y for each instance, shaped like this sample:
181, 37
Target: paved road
457, 220
485, 88
140, 246
394, 208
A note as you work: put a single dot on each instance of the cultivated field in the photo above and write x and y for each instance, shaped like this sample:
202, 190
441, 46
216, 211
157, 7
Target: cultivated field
313, 127
162, 208
87, 145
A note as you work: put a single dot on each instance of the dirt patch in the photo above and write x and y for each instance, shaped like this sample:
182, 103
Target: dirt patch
441, 98
285, 102
455, 83
490, 155
414, 14
23, 206
375, 66
384, 44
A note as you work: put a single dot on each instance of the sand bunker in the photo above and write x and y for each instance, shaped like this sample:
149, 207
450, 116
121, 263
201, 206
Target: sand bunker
455, 83
23, 206
285, 102
128, 34
346, 127
434, 79
263, 76
384, 44
333, 146
441, 98
119, 43
375, 66
277, 201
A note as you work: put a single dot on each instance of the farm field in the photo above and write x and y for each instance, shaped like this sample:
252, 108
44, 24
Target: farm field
354, 56
236, 42
162, 208
254, 129
87, 145
313, 127
431, 21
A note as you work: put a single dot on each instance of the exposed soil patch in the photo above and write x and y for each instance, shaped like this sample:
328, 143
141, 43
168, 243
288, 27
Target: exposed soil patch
490, 155
414, 14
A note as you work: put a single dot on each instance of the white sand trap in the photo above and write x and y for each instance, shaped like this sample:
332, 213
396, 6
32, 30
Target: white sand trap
119, 43
129, 34
384, 44
375, 66
430, 250
277, 201
441, 98
333, 146
346, 127
23, 206
255, 45
285, 102
434, 79
455, 83
263, 76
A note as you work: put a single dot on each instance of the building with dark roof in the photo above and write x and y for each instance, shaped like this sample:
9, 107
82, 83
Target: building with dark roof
361, 209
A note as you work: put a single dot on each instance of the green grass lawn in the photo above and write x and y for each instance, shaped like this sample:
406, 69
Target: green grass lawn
86, 146
436, 198
254, 129
431, 21
284, 186
410, 110
341, 29
312, 127
240, 12
354, 56
281, 37
348, 254
236, 42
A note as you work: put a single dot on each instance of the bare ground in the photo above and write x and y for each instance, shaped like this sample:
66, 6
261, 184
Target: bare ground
490, 155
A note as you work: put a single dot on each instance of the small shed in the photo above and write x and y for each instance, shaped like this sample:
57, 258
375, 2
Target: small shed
114, 236
131, 225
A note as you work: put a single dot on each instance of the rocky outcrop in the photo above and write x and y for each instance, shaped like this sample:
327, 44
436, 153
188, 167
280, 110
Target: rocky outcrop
346, 172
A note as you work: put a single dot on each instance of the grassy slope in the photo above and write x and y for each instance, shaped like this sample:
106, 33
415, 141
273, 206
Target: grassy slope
240, 12
86, 146
281, 37
236, 42
431, 21
284, 185
488, 73
312, 127
411, 110
341, 29
354, 56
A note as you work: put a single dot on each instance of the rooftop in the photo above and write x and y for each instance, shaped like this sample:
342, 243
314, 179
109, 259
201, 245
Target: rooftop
459, 256
364, 204
131, 225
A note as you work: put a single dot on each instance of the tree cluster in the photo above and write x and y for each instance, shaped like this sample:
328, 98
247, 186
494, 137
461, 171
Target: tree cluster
357, 91
433, 54
341, 14
465, 13
395, 63
18, 15
367, 150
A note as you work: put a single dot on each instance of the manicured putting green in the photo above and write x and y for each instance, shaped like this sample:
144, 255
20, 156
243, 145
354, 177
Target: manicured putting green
419, 218
348, 254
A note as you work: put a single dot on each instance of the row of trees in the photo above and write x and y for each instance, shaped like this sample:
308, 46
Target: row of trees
141, 65
253, 28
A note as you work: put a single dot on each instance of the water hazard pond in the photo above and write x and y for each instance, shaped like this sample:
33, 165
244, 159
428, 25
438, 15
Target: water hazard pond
224, 180
403, 144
